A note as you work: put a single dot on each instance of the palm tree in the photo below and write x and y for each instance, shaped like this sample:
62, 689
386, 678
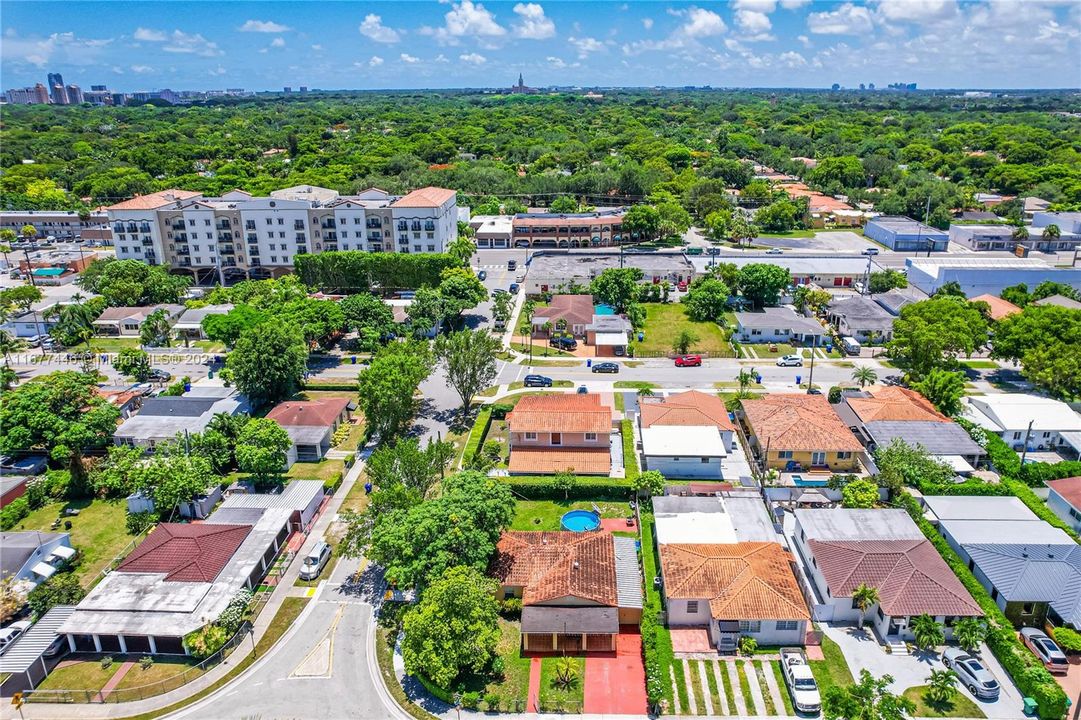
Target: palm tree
863, 597
1020, 233
29, 232
864, 376
941, 687
646, 392
1051, 233
8, 345
927, 632
566, 673
745, 379
970, 633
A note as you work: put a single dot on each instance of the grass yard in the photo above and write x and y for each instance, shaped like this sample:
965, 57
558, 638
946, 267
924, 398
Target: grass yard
356, 500
634, 385
763, 349
325, 470
540, 349
767, 696
980, 364
165, 671
664, 322
744, 684
786, 697
514, 687
798, 233
832, 670
556, 698
113, 345
98, 532
959, 707
697, 691
545, 514
86, 675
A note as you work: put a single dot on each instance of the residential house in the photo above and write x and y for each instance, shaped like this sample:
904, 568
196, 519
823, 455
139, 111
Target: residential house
189, 326
609, 335
799, 431
686, 435
126, 321
745, 589
862, 318
688, 409
842, 549
1064, 499
726, 518
575, 315
311, 425
881, 414
1031, 569
777, 325
302, 498
1059, 300
903, 234
895, 300
576, 588
163, 418
560, 432
1020, 419
30, 558
999, 308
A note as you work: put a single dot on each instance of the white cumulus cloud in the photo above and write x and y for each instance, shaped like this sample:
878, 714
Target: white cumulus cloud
647, 23
533, 24
848, 19
376, 61
410, 59
473, 58
374, 29
141, 69
703, 23
466, 20
277, 42
263, 26
147, 35
586, 45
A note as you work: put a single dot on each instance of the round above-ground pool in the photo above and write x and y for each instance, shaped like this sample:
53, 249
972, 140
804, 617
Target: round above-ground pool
580, 521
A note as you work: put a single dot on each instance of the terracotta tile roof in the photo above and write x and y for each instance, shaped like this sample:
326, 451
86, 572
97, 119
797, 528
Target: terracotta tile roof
186, 553
895, 403
999, 308
560, 412
910, 575
154, 200
742, 580
798, 422
427, 197
1069, 489
555, 565
547, 459
317, 413
687, 408
575, 309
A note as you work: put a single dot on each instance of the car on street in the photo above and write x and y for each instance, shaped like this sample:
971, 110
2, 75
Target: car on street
790, 361
775, 251
497, 292
1045, 649
582, 390
806, 697
159, 375
482, 275
537, 381
682, 285
606, 367
34, 340
972, 673
689, 361
315, 561
11, 633
512, 264
713, 251
871, 251
514, 287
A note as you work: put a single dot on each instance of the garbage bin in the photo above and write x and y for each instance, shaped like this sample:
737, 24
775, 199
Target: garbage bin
210, 374
640, 336
1029, 707
187, 387
799, 379
354, 359
589, 362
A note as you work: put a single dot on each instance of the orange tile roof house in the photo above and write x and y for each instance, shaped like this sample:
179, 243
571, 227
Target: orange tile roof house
311, 425
576, 588
576, 311
746, 588
884, 549
686, 408
686, 435
797, 431
999, 308
894, 403
554, 433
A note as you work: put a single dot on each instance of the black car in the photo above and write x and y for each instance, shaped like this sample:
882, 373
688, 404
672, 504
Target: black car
565, 343
606, 367
514, 287
482, 275
512, 264
157, 375
537, 381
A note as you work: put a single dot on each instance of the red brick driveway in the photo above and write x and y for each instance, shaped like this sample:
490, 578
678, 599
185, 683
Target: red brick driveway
616, 684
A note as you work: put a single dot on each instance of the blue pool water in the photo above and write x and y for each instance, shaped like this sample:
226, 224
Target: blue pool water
604, 310
580, 521
801, 481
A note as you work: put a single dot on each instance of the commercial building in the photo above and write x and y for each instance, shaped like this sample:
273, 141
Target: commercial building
984, 275
903, 234
556, 272
1031, 569
492, 231
570, 230
239, 236
58, 224
842, 549
983, 237
826, 271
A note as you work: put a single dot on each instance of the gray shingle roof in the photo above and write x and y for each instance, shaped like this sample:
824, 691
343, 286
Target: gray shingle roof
573, 620
1034, 573
936, 437
176, 406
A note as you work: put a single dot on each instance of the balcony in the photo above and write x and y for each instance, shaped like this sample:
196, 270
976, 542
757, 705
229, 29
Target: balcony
249, 224
302, 249
225, 237
429, 227
178, 225
226, 249
183, 252
132, 229
403, 238
298, 224
416, 227
301, 237
252, 237
374, 224
184, 263
150, 255
378, 236
145, 229
403, 241
253, 251
403, 226
148, 243
119, 228
329, 224
224, 225
332, 236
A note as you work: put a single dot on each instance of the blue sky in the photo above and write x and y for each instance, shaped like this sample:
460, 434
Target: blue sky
371, 45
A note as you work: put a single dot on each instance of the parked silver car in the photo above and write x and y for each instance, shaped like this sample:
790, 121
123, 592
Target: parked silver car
972, 673
1045, 649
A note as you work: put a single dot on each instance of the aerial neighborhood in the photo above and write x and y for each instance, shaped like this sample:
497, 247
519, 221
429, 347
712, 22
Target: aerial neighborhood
537, 401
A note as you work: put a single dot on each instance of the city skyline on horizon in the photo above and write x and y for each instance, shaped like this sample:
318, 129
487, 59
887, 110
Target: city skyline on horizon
938, 44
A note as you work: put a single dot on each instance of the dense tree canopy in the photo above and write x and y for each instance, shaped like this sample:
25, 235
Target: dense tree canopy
125, 283
935, 332
1045, 339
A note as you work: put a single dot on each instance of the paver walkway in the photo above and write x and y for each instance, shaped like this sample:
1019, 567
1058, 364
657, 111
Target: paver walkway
707, 696
533, 697
774, 688
737, 691
756, 689
616, 685
107, 689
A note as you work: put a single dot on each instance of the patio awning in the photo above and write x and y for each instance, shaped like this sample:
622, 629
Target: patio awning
1073, 439
617, 339
570, 620
45, 570
63, 551
958, 463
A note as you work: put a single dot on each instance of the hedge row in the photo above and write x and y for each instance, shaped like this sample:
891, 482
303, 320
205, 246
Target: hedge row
1007, 463
354, 271
331, 385
630, 457
657, 654
477, 433
542, 488
1024, 493
1027, 672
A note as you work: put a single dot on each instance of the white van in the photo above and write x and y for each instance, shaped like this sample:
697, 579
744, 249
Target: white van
11, 633
315, 561
851, 345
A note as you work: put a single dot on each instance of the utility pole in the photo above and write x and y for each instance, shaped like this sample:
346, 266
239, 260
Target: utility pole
926, 214
1028, 433
29, 268
811, 375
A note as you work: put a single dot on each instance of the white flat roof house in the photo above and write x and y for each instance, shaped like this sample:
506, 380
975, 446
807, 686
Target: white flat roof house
1054, 423
163, 418
682, 519
682, 451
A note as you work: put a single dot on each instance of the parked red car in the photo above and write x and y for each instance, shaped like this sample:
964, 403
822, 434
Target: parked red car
682, 285
689, 361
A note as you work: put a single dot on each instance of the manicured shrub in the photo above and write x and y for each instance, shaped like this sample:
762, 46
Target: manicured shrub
13, 512
1067, 639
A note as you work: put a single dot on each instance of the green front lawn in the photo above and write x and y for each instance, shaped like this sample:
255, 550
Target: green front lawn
325, 470
980, 364
832, 670
540, 349
959, 707
112, 344
166, 670
86, 675
545, 514
799, 233
664, 323
553, 697
634, 385
98, 532
763, 349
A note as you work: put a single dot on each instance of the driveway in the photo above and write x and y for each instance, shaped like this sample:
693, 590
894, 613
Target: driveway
863, 652
616, 685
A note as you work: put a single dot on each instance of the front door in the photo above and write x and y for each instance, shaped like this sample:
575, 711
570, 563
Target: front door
557, 438
818, 458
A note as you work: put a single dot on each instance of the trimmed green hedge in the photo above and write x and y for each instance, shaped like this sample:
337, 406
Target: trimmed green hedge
630, 457
1024, 668
542, 488
329, 486
1024, 493
330, 385
657, 653
477, 432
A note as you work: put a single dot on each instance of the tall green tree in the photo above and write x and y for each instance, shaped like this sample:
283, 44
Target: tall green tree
156, 330
643, 221
860, 493
707, 299
370, 317
461, 290
868, 699
617, 287
1044, 339
944, 389
133, 362
886, 280
269, 362
469, 359
935, 332
227, 328
761, 284
262, 449
132, 282
388, 384
407, 463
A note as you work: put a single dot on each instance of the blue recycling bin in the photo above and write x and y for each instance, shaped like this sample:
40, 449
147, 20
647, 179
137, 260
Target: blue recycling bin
354, 359
640, 336
187, 387
799, 379
589, 362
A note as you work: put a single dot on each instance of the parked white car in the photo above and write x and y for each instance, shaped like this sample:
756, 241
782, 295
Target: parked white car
11, 633
790, 361
315, 561
801, 683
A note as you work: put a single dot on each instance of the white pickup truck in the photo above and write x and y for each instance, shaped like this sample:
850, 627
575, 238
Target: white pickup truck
801, 683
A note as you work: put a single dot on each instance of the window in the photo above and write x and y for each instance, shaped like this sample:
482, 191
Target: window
1028, 608
191, 223
705, 460
281, 234
195, 248
692, 607
431, 248
750, 626
844, 455
1017, 435
273, 246
1074, 514
531, 436
273, 258
269, 221
1047, 434
198, 261
416, 248
281, 221
787, 624
784, 454
206, 222
591, 437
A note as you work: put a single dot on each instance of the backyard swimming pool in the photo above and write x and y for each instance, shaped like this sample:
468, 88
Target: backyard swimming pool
604, 310
800, 481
